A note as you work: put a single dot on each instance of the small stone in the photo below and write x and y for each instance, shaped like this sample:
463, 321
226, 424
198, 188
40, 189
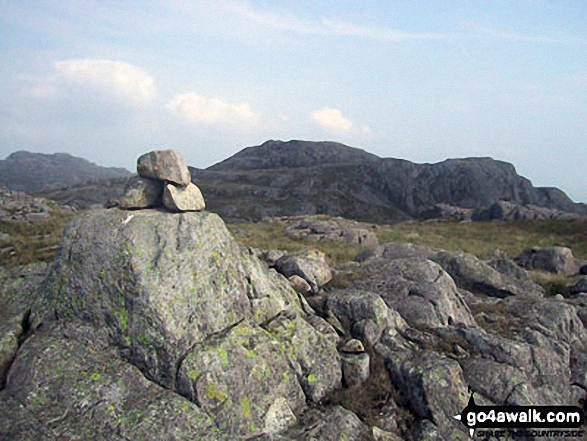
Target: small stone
383, 435
279, 417
164, 165
183, 199
141, 192
355, 368
299, 284
353, 346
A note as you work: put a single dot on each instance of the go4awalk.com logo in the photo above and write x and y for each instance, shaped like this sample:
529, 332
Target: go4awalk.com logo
514, 421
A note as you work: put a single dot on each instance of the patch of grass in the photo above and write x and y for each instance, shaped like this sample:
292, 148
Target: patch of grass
33, 241
484, 238
481, 239
271, 236
553, 284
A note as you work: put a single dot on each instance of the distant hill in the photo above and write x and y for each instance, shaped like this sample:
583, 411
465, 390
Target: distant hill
300, 177
36, 172
294, 154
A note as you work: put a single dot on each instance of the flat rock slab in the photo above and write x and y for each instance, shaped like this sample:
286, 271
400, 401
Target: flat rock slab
181, 199
164, 165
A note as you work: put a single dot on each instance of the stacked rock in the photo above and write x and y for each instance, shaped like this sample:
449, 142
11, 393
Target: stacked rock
163, 180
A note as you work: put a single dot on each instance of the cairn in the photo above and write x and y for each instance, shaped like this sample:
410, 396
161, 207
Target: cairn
163, 180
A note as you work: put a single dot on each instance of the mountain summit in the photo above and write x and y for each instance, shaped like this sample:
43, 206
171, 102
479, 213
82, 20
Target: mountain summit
302, 177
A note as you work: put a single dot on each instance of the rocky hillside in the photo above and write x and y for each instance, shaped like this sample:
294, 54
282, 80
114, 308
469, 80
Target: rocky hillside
296, 178
34, 172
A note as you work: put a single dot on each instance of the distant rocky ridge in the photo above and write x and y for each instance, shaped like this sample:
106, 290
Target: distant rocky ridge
296, 178
34, 172
301, 178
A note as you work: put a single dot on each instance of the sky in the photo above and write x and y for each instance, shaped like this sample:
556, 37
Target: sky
419, 80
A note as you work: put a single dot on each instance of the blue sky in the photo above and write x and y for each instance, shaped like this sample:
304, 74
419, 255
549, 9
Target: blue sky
419, 80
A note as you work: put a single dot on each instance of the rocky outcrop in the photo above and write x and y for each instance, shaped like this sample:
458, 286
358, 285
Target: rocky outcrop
180, 301
157, 325
16, 206
557, 260
513, 211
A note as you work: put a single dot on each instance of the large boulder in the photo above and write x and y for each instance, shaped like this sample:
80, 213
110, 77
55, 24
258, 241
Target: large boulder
164, 165
476, 276
180, 300
434, 387
420, 290
558, 260
364, 314
74, 391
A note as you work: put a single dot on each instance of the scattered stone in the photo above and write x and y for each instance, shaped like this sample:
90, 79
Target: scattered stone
141, 192
299, 284
355, 368
4, 237
16, 206
557, 260
271, 256
180, 199
419, 290
164, 165
353, 346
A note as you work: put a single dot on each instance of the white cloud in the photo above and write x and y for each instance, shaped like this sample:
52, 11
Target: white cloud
212, 111
331, 119
367, 130
325, 26
123, 80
